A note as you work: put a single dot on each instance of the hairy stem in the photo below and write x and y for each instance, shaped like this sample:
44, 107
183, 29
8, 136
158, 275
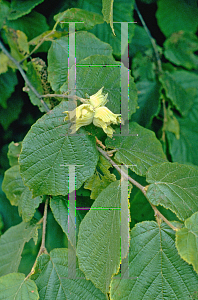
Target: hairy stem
138, 185
17, 64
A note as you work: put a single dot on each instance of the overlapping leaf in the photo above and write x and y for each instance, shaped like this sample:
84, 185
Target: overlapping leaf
98, 248
53, 281
14, 150
187, 241
15, 286
60, 209
87, 19
32, 24
140, 41
148, 92
171, 124
107, 10
174, 186
183, 150
139, 150
101, 178
86, 44
121, 13
12, 243
4, 11
36, 74
182, 99
156, 270
20, 8
19, 194
48, 150
180, 48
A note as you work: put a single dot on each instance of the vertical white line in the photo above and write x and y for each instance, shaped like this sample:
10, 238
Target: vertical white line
72, 65
124, 78
72, 225
124, 230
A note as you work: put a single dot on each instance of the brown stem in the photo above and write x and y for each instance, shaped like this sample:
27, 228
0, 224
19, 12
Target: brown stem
42, 247
137, 184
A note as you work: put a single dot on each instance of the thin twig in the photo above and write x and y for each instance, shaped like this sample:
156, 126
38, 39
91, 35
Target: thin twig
100, 143
56, 95
42, 247
137, 184
24, 76
41, 42
74, 97
159, 64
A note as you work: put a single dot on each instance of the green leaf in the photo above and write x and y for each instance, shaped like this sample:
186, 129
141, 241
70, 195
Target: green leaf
17, 41
183, 150
90, 79
47, 151
139, 150
140, 209
148, 92
4, 63
156, 270
183, 99
13, 185
171, 124
188, 80
180, 48
12, 243
14, 150
15, 286
60, 209
174, 186
175, 15
51, 278
4, 11
121, 13
107, 11
101, 178
19, 194
58, 55
32, 24
9, 213
36, 74
98, 248
12, 111
140, 41
143, 67
8, 81
20, 8
88, 19
55, 237
187, 241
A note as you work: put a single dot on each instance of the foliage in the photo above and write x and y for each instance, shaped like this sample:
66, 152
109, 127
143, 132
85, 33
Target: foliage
84, 215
